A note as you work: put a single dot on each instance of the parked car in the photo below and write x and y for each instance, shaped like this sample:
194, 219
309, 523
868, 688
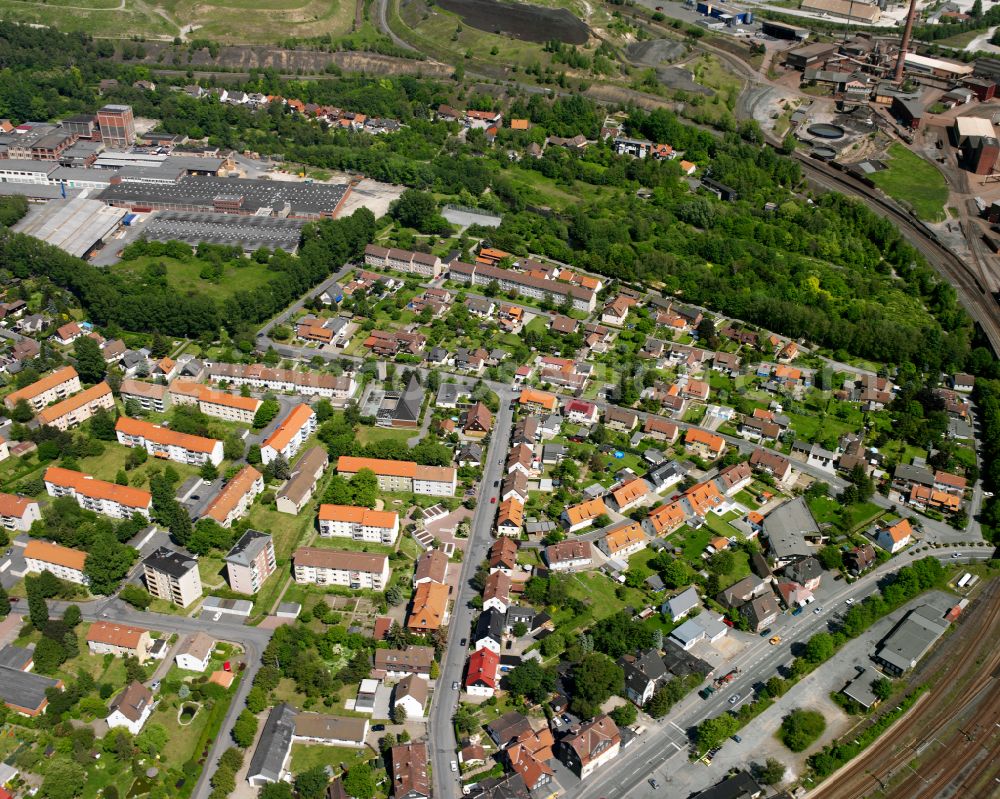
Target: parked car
653, 782
465, 642
493, 500
454, 765
454, 685
378, 727
765, 633
734, 699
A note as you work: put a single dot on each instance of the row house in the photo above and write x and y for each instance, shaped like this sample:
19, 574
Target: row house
629, 494
298, 490
329, 567
510, 517
660, 429
234, 500
564, 372
526, 285
100, 496
289, 436
120, 640
665, 519
403, 476
358, 524
162, 442
414, 263
78, 408
399, 663
778, 466
623, 540
569, 556
265, 378
577, 517
922, 497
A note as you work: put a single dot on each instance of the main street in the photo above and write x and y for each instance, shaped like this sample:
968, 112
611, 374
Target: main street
441, 732
628, 775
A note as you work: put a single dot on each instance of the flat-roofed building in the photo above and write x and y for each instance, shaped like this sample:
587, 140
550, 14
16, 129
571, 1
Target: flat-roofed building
149, 396
54, 387
403, 476
100, 496
162, 442
234, 500
250, 562
18, 513
357, 570
274, 747
172, 576
294, 495
77, 409
289, 436
358, 524
112, 638
65, 563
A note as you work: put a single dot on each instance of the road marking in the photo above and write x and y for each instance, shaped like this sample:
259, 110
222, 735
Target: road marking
674, 725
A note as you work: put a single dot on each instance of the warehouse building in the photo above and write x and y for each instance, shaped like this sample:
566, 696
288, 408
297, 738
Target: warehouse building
242, 196
251, 233
78, 226
977, 139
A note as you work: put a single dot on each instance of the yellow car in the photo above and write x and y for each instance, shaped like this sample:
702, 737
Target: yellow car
775, 640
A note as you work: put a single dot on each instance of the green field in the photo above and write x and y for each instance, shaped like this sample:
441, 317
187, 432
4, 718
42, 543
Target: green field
913, 181
220, 20
185, 275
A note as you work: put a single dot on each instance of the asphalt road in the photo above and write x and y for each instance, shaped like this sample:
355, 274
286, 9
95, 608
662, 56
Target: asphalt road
628, 775
441, 733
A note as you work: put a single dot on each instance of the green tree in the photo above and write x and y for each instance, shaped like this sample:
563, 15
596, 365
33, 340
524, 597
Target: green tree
359, 782
22, 412
49, 655
244, 729
233, 448
102, 424
712, 732
89, 360
882, 688
624, 715
311, 784
136, 596
64, 779
820, 648
4, 602
364, 486
276, 790
160, 346
772, 772
256, 699
152, 739
595, 678
530, 680
268, 409
208, 471
801, 727
134, 670
722, 563
38, 610
71, 645
107, 563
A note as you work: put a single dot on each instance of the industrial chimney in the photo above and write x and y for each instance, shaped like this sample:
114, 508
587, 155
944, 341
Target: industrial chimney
905, 44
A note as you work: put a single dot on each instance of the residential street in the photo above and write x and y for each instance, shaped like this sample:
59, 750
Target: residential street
441, 734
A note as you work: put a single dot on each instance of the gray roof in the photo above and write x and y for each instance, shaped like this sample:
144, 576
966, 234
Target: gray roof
74, 226
860, 689
804, 570
304, 199
410, 402
642, 668
248, 232
448, 393
23, 688
15, 657
216, 603
274, 744
170, 562
490, 625
247, 548
738, 786
912, 637
786, 527
688, 631
665, 472
684, 602
913, 474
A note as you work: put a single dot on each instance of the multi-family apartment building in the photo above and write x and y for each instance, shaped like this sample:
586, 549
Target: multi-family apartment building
272, 379
162, 442
526, 284
289, 436
236, 497
358, 524
111, 638
63, 562
100, 496
18, 513
54, 387
250, 562
320, 566
149, 396
403, 476
172, 576
415, 263
220, 404
294, 495
78, 408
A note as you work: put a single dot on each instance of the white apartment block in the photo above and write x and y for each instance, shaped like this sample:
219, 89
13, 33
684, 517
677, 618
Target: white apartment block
17, 514
52, 388
161, 442
100, 496
358, 524
415, 263
220, 404
65, 563
290, 435
234, 500
250, 562
525, 285
265, 378
78, 408
149, 396
357, 570
403, 476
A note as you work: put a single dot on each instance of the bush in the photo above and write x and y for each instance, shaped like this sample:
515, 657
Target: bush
800, 728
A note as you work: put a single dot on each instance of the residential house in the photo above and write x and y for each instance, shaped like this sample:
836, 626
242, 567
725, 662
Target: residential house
478, 421
806, 572
496, 593
761, 611
429, 610
792, 532
502, 556
410, 694
54, 387
489, 630
629, 495
665, 519
733, 479
577, 517
431, 567
591, 746
580, 412
623, 540
403, 476
397, 663
644, 673
529, 756
860, 559
151, 397
743, 591
111, 638
616, 310
274, 747
681, 605
620, 419
481, 675
660, 429
78, 408
773, 464
162, 442
195, 653
706, 446
569, 556
131, 708
538, 399
892, 538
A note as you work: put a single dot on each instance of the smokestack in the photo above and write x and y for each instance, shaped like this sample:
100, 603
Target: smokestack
905, 44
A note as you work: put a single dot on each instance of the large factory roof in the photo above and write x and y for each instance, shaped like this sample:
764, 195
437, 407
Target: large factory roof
73, 226
250, 232
197, 191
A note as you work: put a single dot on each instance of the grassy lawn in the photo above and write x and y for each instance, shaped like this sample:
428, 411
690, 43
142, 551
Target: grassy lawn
746, 499
369, 435
860, 516
816, 428
913, 181
288, 531
692, 542
185, 276
107, 465
349, 544
305, 756
901, 452
740, 570
824, 510
210, 570
720, 526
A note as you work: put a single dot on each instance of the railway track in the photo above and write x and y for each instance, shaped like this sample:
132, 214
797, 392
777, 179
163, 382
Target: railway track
971, 661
